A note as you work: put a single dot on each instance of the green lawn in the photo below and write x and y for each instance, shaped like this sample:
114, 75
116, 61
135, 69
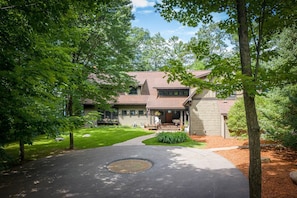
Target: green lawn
101, 136
188, 143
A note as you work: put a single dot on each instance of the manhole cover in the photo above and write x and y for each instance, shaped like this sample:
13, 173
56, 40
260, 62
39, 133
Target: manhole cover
129, 165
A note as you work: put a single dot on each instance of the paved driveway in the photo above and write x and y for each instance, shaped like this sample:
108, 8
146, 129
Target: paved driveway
175, 172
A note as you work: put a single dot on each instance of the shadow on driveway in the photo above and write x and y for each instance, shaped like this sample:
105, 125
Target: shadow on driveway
175, 172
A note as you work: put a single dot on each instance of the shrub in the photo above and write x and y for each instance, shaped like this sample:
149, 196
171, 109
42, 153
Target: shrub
172, 137
289, 139
237, 119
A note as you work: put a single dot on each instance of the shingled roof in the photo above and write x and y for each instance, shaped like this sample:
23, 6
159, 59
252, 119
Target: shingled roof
154, 81
225, 106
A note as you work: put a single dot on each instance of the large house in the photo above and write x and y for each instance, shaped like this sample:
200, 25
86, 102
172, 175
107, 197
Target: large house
156, 103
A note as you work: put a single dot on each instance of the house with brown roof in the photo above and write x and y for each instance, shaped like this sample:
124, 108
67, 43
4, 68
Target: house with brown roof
155, 103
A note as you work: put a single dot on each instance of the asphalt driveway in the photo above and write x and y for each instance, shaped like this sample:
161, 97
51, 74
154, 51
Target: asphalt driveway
175, 172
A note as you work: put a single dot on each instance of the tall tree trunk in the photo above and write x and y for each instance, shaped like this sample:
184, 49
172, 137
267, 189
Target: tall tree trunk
69, 108
22, 150
255, 176
71, 140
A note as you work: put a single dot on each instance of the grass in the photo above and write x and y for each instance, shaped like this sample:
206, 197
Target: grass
189, 143
44, 146
101, 136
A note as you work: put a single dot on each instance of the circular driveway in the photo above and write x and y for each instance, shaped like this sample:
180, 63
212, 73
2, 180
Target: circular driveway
175, 172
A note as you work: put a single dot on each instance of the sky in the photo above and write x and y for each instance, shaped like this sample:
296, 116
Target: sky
147, 18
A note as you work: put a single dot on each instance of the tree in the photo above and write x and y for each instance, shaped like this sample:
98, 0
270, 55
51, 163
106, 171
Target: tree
32, 66
280, 122
139, 39
102, 58
153, 52
253, 22
55, 50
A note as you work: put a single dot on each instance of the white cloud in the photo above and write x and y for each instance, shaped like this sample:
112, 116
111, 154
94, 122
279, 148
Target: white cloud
142, 4
145, 11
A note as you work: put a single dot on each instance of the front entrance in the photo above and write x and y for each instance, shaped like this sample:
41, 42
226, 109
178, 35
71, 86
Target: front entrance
168, 117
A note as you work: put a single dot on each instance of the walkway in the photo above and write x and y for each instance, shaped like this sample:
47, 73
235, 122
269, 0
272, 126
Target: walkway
136, 141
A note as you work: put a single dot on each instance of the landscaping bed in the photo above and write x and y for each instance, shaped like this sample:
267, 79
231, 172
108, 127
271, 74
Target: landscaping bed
276, 182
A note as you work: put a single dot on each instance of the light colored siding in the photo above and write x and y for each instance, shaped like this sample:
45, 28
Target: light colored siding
131, 120
205, 117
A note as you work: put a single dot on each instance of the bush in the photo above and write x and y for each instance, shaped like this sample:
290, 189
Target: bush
237, 119
290, 140
172, 137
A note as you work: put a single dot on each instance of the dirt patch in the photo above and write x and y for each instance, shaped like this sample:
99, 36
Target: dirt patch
276, 182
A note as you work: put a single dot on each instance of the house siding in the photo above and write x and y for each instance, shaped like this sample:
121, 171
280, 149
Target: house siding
133, 120
205, 116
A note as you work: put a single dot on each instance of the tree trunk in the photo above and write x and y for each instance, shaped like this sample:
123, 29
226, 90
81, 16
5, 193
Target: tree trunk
22, 150
255, 176
69, 113
71, 141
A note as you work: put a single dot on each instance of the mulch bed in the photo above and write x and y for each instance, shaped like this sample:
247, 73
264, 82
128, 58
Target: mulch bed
276, 182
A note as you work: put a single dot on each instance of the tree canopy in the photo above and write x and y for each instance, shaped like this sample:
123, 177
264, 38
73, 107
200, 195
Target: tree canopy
56, 50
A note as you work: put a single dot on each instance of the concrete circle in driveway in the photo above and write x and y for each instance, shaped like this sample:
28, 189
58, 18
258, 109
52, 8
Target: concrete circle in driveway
129, 166
176, 172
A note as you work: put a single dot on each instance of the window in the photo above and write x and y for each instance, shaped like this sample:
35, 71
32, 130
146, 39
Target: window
107, 114
124, 112
133, 91
173, 92
132, 112
115, 113
140, 112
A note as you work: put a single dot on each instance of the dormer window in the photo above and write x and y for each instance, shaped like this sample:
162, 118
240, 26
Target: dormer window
133, 91
173, 92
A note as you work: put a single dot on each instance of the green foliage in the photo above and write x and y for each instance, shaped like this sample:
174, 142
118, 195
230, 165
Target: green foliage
276, 112
280, 112
237, 119
47, 52
154, 52
188, 143
283, 60
90, 120
289, 139
261, 28
172, 137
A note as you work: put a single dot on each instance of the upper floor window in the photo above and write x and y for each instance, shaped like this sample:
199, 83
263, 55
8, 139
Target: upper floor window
173, 92
133, 91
